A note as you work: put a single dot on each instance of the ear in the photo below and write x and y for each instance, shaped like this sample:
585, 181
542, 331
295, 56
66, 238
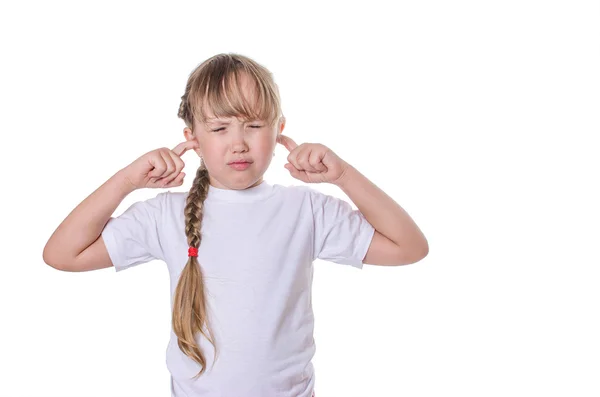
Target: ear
189, 135
281, 125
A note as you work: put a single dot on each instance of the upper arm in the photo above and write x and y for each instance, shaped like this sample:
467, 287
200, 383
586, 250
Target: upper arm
134, 237
385, 252
341, 234
93, 257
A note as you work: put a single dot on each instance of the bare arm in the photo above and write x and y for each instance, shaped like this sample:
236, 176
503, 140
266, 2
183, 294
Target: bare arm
83, 226
397, 240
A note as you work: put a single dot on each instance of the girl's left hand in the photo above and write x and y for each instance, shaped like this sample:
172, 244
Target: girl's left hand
313, 162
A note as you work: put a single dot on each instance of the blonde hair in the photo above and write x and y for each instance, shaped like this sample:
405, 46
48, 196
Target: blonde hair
213, 85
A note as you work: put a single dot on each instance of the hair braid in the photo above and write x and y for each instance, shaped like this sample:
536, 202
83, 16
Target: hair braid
189, 307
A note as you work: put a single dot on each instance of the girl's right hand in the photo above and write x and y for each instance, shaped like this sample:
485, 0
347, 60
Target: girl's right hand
160, 168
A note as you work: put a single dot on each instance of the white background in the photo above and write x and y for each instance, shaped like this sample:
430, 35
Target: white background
478, 118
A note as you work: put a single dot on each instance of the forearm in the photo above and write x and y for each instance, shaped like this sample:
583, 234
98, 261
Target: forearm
85, 223
382, 212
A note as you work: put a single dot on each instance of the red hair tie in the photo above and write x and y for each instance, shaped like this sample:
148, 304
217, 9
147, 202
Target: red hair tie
193, 251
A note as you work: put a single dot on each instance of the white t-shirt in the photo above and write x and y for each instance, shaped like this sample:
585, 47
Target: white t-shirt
257, 251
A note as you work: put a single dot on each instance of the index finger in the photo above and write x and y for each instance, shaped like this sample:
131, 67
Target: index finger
287, 142
185, 146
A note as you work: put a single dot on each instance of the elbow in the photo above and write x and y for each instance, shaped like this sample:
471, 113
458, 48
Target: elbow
419, 253
46, 257
425, 249
53, 264
58, 266
52, 261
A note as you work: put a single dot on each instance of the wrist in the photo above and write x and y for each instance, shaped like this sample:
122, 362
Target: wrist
348, 174
122, 183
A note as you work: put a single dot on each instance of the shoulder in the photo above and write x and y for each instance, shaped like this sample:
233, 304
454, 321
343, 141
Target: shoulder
317, 199
148, 205
315, 195
160, 204
293, 189
173, 198
299, 190
174, 203
299, 193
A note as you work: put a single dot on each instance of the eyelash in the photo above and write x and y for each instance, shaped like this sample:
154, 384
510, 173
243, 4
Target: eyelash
222, 128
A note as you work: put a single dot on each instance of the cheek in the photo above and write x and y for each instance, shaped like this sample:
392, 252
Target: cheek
269, 143
266, 151
215, 153
261, 145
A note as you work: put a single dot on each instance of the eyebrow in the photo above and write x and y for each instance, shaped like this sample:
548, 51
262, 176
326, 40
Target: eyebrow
218, 121
214, 121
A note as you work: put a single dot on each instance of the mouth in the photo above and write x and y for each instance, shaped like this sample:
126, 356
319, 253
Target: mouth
240, 162
240, 165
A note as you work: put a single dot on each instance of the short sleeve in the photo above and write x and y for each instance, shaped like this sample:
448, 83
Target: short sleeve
132, 238
341, 234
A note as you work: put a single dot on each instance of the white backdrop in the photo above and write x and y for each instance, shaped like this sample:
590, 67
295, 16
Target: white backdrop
478, 118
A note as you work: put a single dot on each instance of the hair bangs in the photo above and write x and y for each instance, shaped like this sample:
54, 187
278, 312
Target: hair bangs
224, 97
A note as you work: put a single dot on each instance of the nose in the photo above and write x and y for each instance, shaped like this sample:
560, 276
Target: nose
238, 142
239, 149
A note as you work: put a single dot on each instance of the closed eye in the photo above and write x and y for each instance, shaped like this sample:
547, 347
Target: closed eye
252, 126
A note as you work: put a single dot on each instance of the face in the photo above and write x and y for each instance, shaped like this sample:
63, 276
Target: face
223, 141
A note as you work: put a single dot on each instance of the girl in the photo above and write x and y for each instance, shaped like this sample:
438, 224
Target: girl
239, 250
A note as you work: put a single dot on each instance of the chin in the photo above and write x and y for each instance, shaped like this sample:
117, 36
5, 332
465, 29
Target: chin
242, 181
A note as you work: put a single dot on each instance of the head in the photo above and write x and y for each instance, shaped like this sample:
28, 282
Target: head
231, 106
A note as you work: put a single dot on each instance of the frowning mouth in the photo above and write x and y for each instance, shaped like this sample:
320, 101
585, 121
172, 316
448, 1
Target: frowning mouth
239, 162
240, 166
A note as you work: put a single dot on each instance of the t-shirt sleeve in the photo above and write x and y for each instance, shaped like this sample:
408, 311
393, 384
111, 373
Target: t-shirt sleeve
132, 238
341, 234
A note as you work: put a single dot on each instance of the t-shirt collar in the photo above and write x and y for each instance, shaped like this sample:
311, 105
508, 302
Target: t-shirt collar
255, 193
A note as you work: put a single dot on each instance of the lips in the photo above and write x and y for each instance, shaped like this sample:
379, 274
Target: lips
240, 162
240, 166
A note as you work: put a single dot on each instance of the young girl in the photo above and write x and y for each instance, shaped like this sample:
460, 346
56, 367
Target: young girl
239, 250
